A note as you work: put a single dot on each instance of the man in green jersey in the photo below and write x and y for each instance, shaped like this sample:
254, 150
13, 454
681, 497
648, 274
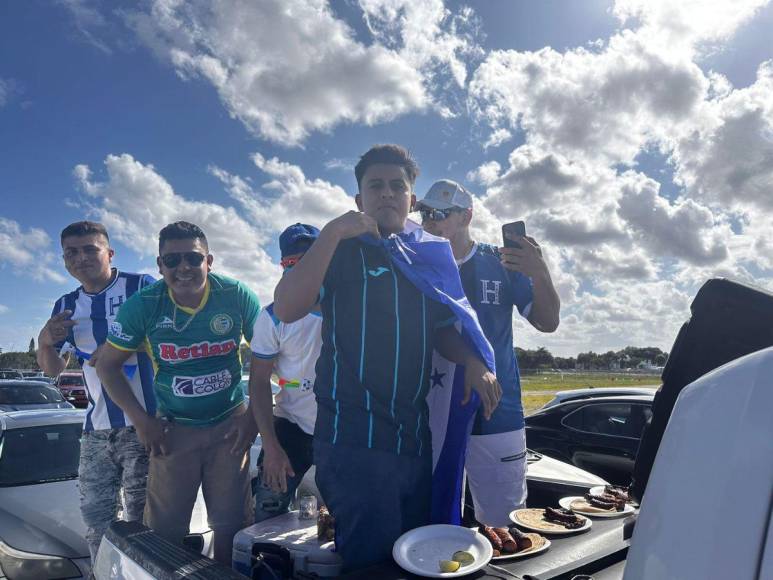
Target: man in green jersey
192, 322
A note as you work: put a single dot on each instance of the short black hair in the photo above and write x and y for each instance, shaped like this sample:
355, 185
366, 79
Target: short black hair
84, 228
181, 231
389, 154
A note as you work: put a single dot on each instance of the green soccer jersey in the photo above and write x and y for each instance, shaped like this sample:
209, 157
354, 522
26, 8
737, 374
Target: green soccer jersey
195, 351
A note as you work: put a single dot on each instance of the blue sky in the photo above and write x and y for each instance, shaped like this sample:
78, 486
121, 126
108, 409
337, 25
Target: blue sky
634, 137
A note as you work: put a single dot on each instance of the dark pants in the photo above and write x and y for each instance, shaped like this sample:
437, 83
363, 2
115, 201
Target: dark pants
375, 496
297, 444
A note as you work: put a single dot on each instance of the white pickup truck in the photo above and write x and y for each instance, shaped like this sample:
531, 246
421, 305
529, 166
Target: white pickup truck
707, 512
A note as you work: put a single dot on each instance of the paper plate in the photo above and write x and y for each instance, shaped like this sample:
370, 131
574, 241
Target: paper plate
566, 503
420, 550
530, 520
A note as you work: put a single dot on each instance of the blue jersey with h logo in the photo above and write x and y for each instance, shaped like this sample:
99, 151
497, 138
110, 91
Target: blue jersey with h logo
94, 314
493, 291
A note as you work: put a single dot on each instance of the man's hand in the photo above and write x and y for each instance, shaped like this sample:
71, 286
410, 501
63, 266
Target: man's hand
56, 329
276, 468
152, 434
527, 259
478, 377
243, 432
353, 224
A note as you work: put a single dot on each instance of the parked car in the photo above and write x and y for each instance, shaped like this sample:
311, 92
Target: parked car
42, 534
10, 374
73, 388
598, 434
595, 392
26, 395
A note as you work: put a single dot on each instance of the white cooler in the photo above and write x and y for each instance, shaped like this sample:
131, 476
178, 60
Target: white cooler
298, 536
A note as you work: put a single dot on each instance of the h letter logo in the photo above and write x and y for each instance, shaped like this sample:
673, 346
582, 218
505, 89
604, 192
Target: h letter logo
490, 290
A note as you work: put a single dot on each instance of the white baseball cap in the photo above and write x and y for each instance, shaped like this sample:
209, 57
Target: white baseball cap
446, 194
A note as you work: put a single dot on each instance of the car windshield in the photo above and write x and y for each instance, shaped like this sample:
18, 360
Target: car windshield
71, 381
39, 454
29, 394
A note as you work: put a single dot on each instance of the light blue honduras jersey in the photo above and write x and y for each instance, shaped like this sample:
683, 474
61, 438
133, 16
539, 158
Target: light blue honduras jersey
94, 313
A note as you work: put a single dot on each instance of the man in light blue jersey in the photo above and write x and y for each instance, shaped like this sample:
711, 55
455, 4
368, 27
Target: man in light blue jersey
495, 280
111, 455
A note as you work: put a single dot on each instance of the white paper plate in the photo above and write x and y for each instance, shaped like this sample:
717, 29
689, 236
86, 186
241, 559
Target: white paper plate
420, 550
565, 502
522, 554
543, 531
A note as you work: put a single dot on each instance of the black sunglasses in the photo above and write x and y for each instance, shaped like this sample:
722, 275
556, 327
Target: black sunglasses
173, 259
437, 215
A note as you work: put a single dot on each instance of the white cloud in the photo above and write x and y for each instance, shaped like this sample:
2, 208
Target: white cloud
684, 229
728, 158
604, 105
486, 174
135, 202
289, 197
89, 22
688, 22
284, 68
28, 253
426, 34
3, 309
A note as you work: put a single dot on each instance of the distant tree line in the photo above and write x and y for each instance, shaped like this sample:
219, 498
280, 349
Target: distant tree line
629, 358
626, 359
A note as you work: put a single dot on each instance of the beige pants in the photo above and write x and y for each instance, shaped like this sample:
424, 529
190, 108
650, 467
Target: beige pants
199, 456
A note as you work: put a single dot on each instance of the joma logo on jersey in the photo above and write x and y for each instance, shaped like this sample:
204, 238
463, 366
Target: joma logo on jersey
173, 353
201, 386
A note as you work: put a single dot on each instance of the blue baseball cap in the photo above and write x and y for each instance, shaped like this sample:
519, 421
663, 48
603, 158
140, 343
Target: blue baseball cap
296, 239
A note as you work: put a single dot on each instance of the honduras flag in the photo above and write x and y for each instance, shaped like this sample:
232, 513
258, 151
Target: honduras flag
428, 262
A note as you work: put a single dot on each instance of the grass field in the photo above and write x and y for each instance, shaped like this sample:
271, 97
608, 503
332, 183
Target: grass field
538, 389
567, 381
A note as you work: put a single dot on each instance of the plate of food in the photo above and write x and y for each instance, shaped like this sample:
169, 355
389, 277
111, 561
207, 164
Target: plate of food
442, 551
598, 506
511, 543
556, 521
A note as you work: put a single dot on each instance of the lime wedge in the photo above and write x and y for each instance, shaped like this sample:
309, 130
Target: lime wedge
449, 566
464, 558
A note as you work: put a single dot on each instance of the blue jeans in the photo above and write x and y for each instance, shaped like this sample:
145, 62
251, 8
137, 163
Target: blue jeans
298, 446
375, 496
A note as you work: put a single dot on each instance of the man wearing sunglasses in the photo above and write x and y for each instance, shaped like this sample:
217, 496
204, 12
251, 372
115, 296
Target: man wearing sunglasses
192, 321
291, 350
495, 280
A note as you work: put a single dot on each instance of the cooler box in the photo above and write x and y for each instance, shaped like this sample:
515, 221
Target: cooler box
309, 555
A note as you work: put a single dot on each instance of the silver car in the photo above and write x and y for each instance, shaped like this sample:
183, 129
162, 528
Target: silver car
30, 394
42, 534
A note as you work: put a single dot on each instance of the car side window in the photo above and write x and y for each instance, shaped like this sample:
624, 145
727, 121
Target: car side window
615, 419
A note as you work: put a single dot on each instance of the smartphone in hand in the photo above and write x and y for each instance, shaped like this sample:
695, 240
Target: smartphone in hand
513, 229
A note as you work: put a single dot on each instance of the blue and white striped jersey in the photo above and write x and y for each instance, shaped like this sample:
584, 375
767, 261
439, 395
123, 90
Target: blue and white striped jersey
94, 313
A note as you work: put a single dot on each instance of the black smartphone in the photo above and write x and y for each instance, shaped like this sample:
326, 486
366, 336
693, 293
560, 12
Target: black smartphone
513, 229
